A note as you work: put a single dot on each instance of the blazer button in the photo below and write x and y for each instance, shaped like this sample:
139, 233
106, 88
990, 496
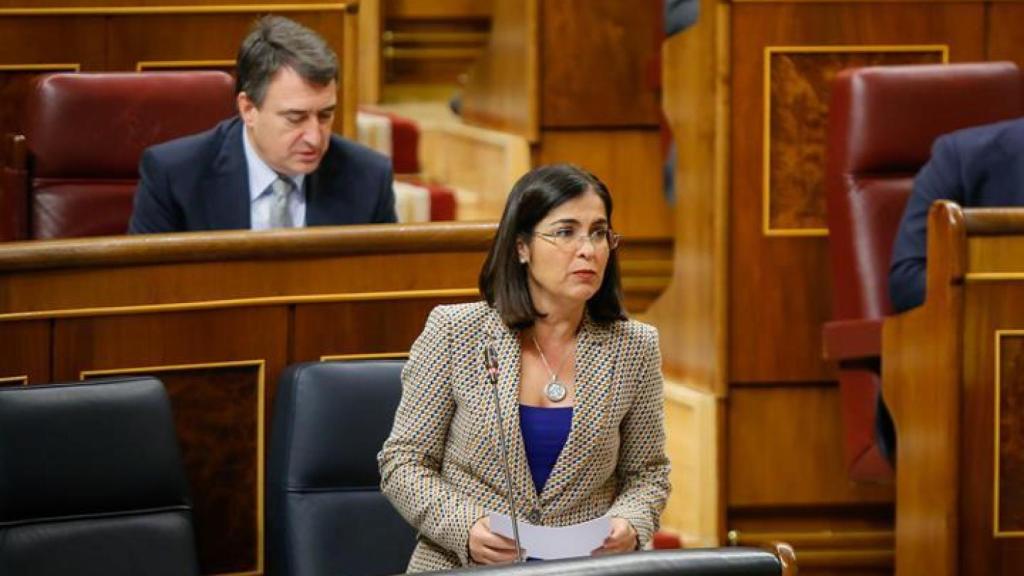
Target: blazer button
535, 516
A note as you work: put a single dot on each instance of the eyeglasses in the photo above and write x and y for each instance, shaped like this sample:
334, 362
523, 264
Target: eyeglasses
567, 238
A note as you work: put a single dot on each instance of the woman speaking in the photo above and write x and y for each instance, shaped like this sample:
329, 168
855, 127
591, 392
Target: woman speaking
579, 390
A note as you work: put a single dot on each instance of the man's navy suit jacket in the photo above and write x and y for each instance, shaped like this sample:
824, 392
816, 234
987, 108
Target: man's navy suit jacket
980, 166
201, 182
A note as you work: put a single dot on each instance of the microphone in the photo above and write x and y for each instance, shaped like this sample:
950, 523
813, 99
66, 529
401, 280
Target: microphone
491, 364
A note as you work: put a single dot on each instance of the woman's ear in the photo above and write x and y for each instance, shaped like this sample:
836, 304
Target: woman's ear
523, 250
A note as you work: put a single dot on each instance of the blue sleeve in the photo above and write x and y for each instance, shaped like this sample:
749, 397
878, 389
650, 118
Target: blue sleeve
154, 210
939, 179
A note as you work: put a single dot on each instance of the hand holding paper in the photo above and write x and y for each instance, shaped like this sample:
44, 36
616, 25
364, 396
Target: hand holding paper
551, 543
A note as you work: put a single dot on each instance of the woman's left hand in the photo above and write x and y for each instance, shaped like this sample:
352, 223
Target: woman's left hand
621, 539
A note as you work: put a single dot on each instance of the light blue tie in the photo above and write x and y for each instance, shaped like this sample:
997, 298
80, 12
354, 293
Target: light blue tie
281, 190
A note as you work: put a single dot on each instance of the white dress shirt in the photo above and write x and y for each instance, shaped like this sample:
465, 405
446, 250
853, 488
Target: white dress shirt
261, 177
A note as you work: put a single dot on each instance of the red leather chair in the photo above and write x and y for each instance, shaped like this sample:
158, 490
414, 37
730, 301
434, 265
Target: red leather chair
75, 170
882, 123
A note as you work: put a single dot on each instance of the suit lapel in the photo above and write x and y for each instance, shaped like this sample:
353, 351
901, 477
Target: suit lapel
225, 192
506, 342
594, 394
325, 206
317, 211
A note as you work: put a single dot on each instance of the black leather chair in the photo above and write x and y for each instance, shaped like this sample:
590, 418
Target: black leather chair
702, 562
91, 482
326, 514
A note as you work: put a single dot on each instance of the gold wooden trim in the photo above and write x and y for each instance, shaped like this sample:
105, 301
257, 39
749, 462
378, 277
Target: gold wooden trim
393, 37
722, 185
372, 356
996, 533
370, 17
392, 53
979, 277
817, 539
766, 194
239, 302
181, 64
260, 433
54, 67
23, 379
184, 9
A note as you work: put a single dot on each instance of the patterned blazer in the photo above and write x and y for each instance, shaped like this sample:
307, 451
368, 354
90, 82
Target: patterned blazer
441, 466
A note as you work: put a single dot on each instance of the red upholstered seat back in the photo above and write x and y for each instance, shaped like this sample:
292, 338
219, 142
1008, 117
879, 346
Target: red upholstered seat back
882, 123
85, 134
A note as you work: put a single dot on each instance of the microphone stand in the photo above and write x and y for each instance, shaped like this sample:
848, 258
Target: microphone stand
491, 363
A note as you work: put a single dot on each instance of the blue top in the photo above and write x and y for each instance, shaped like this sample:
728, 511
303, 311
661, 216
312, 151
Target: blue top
545, 431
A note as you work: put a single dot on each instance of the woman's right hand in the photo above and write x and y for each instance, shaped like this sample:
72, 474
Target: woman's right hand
486, 547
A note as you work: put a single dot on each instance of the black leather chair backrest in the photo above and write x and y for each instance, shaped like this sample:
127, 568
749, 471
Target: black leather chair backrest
326, 514
703, 562
91, 481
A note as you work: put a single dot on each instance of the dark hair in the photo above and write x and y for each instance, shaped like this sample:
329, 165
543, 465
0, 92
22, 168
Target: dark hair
276, 42
504, 281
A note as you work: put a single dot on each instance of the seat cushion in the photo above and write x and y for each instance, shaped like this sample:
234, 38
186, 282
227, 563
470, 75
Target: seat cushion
91, 481
74, 208
159, 543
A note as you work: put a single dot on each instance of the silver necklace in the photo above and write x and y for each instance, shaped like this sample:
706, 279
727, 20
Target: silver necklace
555, 390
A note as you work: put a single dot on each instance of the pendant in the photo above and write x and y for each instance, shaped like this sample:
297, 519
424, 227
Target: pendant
555, 391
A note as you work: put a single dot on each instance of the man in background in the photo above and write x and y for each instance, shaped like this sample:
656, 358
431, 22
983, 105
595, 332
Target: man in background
976, 167
275, 165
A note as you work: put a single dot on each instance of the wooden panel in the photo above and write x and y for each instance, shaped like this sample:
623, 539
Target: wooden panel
629, 162
202, 38
194, 35
22, 57
785, 280
798, 89
1006, 32
25, 353
785, 449
846, 543
236, 280
986, 255
384, 326
992, 491
599, 60
220, 409
502, 88
435, 9
172, 38
371, 22
693, 427
431, 44
432, 51
1009, 435
482, 164
691, 314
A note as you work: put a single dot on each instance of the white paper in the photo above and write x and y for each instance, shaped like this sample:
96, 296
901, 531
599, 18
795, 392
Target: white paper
551, 543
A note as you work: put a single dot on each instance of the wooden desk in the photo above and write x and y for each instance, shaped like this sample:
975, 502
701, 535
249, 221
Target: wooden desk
217, 316
953, 376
